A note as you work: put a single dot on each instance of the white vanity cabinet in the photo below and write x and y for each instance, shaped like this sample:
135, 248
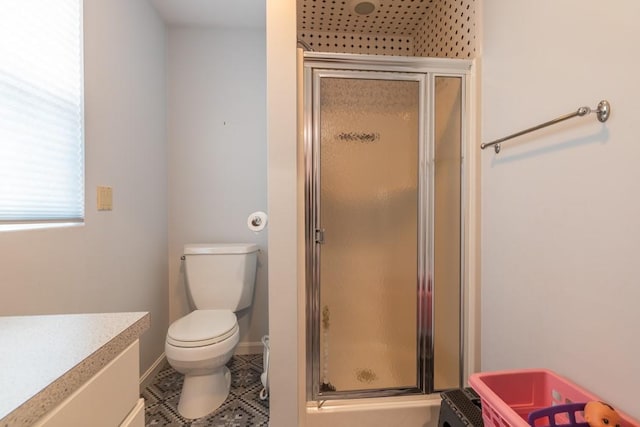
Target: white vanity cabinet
110, 398
75, 370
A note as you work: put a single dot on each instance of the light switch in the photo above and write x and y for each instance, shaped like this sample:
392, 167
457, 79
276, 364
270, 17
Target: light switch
105, 198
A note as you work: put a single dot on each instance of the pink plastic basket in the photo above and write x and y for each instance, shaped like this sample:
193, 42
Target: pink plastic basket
508, 397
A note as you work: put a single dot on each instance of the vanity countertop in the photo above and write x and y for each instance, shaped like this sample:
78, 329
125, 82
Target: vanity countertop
44, 359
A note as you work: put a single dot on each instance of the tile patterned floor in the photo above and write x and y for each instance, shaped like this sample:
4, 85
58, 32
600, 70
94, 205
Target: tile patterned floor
243, 407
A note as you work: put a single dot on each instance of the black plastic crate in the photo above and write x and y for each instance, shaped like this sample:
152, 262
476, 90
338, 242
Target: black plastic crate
460, 408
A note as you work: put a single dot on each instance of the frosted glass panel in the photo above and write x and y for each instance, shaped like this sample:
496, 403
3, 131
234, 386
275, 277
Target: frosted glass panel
447, 245
369, 139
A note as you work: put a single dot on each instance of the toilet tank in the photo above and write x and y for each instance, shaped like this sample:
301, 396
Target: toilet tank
221, 275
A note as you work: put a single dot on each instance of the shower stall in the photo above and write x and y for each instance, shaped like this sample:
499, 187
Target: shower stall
385, 219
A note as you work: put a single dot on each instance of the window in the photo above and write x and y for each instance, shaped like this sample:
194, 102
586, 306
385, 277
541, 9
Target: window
41, 112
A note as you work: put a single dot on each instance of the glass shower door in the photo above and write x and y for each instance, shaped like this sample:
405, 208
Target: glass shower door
385, 223
447, 232
369, 225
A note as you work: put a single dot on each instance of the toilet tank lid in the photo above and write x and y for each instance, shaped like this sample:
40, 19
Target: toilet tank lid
219, 248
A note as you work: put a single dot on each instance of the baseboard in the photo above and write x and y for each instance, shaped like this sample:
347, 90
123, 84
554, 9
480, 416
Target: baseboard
251, 347
153, 370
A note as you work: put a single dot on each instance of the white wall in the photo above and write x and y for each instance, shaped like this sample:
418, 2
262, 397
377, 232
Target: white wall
216, 88
286, 305
117, 261
560, 208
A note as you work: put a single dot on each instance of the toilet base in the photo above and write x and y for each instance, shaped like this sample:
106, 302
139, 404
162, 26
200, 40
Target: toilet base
203, 394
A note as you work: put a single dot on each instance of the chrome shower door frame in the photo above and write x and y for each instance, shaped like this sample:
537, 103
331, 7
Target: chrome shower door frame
424, 71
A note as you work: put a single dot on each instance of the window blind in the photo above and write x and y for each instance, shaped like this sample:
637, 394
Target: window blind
41, 111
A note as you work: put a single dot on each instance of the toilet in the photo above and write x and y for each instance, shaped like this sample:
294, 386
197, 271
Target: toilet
220, 279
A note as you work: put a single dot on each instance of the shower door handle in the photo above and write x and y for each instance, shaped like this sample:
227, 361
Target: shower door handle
319, 236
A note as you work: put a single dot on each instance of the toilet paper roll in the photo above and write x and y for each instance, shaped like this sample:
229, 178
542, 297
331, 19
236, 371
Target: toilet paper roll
257, 221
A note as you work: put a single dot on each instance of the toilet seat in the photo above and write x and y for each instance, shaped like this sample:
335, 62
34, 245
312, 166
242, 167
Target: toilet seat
202, 328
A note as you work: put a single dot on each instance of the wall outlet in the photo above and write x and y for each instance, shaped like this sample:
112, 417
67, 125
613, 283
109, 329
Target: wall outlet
105, 198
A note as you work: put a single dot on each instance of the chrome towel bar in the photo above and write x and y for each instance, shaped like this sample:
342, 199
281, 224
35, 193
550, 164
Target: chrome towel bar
603, 111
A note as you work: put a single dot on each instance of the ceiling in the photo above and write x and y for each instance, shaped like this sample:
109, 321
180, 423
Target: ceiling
213, 13
390, 17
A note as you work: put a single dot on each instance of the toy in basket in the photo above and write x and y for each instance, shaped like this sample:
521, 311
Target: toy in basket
600, 414
591, 414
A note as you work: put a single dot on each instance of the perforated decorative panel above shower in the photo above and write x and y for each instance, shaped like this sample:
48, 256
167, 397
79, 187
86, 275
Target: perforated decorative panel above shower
448, 31
373, 44
440, 28
391, 17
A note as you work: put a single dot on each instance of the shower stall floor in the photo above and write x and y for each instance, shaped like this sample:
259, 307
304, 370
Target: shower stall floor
372, 365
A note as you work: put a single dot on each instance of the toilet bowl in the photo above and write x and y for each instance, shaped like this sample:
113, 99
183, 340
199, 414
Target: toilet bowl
220, 280
198, 346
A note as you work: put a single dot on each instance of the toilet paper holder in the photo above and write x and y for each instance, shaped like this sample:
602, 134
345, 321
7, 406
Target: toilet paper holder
257, 221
